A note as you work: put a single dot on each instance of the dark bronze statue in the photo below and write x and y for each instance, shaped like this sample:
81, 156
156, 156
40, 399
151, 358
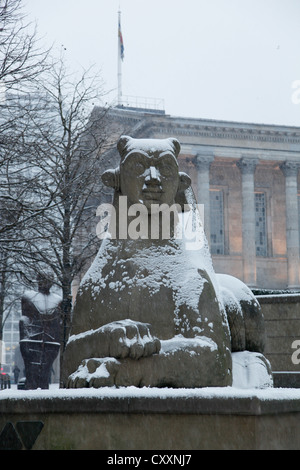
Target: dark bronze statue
39, 333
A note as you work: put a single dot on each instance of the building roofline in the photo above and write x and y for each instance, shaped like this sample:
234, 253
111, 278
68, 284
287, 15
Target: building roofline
135, 112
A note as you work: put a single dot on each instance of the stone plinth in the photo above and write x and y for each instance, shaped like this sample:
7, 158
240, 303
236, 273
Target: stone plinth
151, 419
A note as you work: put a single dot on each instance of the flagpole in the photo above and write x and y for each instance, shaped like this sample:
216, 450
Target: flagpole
119, 61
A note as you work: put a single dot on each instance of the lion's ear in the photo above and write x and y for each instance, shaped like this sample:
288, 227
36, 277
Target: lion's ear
121, 145
111, 178
181, 198
184, 181
176, 145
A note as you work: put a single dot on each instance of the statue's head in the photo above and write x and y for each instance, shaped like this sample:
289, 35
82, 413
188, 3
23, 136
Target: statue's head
148, 172
44, 283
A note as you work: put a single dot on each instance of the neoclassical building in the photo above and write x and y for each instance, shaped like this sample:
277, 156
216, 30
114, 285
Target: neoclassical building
246, 175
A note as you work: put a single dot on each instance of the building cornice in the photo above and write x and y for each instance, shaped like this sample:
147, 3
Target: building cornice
211, 129
232, 133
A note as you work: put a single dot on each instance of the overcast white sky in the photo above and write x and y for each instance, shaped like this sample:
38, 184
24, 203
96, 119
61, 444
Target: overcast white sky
235, 60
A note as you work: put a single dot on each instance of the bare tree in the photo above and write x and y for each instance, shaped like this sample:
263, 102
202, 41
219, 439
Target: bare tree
50, 151
21, 59
65, 146
21, 62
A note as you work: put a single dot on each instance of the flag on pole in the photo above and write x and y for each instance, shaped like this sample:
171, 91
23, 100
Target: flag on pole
121, 44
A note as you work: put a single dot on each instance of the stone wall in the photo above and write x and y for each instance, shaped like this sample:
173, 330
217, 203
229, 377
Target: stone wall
183, 420
282, 320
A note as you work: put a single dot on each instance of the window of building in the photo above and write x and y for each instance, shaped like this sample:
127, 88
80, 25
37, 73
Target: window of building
217, 239
260, 225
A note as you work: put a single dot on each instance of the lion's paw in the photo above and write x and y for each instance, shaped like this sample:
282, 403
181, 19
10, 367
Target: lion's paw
132, 339
94, 373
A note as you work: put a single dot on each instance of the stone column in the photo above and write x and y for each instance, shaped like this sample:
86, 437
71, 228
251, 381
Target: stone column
203, 162
247, 167
290, 170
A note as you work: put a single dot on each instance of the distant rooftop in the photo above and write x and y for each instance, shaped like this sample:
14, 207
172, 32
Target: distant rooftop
146, 105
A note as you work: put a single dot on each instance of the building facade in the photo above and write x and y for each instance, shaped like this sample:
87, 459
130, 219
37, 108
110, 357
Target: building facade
247, 177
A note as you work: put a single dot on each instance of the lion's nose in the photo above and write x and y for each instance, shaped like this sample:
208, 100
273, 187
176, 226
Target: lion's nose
152, 176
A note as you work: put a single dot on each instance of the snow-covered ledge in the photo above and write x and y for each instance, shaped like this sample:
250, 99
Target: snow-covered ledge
230, 400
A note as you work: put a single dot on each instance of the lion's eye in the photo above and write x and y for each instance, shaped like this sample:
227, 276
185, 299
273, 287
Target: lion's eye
139, 168
134, 165
165, 170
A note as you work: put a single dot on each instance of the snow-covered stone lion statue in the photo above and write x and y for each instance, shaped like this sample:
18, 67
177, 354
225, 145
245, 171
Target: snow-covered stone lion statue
151, 311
